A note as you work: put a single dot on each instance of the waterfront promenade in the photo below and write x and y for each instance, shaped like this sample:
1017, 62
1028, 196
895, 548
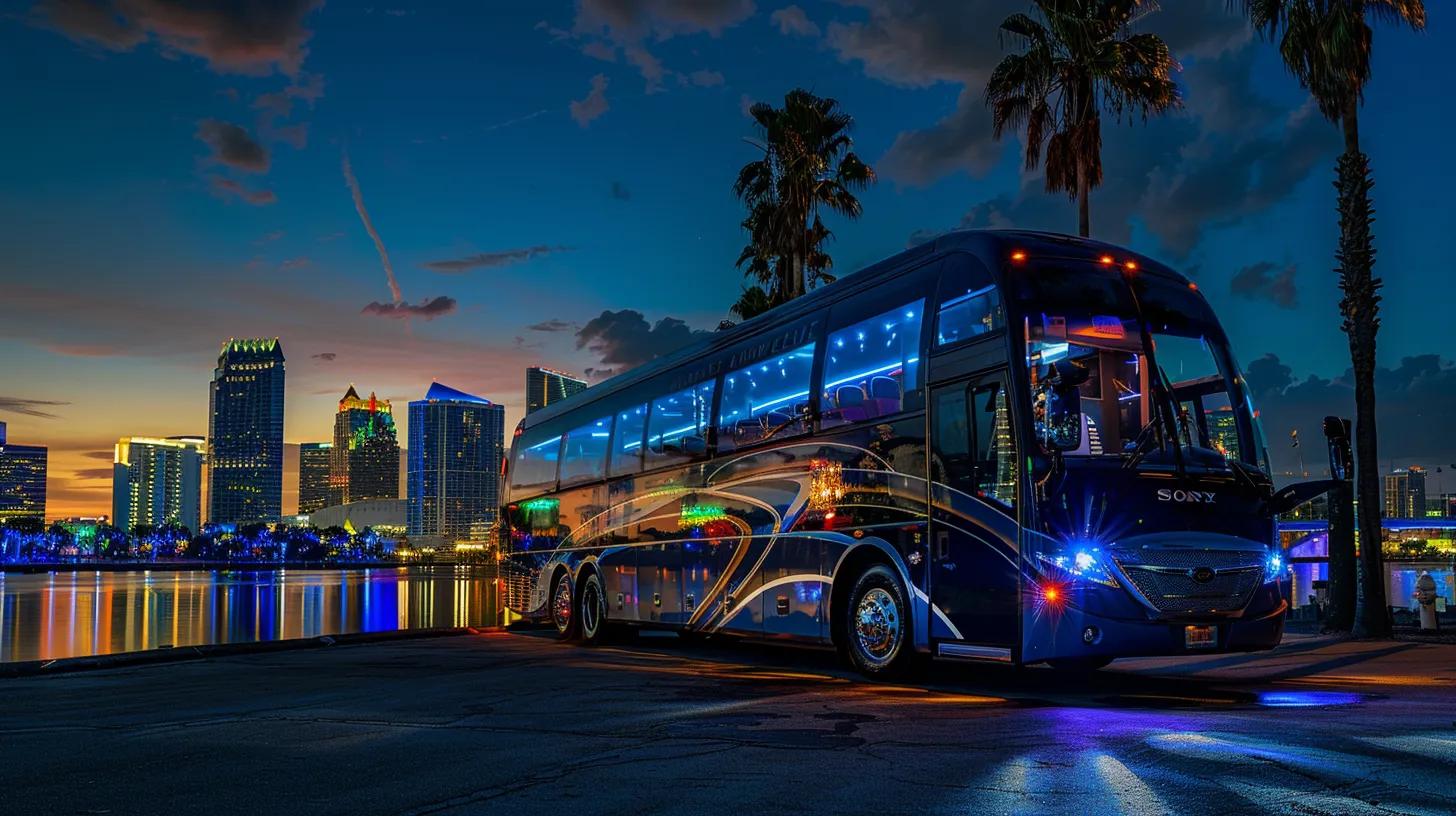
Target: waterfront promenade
497, 722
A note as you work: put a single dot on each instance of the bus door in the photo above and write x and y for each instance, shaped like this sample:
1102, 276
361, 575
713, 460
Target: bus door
975, 565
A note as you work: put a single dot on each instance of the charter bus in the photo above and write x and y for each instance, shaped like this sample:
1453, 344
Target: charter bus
1000, 445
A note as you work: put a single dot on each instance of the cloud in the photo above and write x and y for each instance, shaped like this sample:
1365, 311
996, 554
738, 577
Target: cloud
428, 309
325, 356
492, 260
624, 339
227, 187
1265, 281
1412, 406
552, 325
602, 28
233, 146
353, 185
296, 263
705, 79
30, 407
593, 105
620, 192
792, 21
94, 474
254, 38
269, 237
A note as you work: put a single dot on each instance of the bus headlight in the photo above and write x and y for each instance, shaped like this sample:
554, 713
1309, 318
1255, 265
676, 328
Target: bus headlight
1084, 565
1274, 568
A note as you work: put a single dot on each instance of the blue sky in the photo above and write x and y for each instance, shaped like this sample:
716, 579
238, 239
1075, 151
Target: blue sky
170, 178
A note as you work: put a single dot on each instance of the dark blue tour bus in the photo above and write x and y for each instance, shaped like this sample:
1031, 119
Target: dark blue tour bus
1006, 446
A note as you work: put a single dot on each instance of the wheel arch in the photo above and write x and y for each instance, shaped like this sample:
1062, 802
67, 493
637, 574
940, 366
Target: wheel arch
851, 565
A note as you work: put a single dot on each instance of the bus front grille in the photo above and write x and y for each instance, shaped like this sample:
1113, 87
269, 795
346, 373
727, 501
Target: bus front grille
1194, 582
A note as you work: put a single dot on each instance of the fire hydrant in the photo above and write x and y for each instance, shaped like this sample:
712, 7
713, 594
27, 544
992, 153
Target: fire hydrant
1426, 597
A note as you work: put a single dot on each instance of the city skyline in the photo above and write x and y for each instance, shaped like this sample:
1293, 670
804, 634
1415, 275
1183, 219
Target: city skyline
302, 191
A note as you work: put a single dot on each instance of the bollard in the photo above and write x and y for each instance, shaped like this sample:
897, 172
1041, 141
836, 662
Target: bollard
1426, 597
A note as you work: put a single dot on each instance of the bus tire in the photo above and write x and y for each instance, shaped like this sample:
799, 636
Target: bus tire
563, 606
591, 609
875, 629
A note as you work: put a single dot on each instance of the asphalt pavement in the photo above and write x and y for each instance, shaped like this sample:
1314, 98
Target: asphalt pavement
510, 723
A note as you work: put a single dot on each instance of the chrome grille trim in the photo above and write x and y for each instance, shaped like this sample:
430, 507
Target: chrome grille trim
1163, 579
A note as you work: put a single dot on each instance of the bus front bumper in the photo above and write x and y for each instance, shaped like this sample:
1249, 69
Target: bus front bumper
1074, 632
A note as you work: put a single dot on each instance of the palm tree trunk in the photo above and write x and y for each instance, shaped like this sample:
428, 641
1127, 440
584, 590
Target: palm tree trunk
1084, 217
1360, 306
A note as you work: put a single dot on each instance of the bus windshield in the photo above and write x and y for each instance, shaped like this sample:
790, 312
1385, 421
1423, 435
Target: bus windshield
1157, 381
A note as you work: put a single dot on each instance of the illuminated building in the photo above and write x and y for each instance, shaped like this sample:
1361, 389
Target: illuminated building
456, 442
313, 475
22, 480
157, 482
364, 461
1405, 493
544, 386
1223, 432
245, 433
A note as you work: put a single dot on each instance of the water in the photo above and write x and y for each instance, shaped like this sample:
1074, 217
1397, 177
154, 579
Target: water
73, 614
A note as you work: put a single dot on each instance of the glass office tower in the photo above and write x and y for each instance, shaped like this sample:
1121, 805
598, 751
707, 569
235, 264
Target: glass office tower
365, 459
456, 442
245, 433
157, 482
22, 479
313, 475
544, 386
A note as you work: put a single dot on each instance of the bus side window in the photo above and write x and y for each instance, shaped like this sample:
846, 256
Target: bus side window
627, 434
995, 445
677, 428
769, 399
872, 367
584, 453
535, 463
969, 302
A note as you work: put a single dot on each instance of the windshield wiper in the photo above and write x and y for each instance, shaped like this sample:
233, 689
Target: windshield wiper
1162, 390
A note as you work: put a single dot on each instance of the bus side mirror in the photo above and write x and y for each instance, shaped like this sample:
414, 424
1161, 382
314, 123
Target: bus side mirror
1292, 496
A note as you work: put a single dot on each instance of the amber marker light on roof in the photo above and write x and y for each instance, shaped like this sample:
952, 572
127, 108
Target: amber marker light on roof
1193, 286
1107, 259
1131, 264
1018, 256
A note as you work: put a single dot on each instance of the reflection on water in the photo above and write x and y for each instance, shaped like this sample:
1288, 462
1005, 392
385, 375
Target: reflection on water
71, 614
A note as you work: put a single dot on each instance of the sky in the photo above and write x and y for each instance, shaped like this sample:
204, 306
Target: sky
457, 191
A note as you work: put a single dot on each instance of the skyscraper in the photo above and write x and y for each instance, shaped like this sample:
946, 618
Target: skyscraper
313, 475
157, 482
364, 463
544, 386
456, 442
1405, 493
245, 432
22, 480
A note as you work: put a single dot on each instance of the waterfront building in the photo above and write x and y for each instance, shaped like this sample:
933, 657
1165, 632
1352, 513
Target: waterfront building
364, 462
384, 516
545, 386
314, 461
1405, 493
245, 433
22, 479
1223, 431
156, 482
456, 442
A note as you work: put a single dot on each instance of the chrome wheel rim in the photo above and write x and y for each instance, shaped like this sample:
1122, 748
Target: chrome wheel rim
561, 605
591, 613
877, 625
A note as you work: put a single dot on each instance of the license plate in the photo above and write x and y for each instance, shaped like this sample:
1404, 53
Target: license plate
1200, 637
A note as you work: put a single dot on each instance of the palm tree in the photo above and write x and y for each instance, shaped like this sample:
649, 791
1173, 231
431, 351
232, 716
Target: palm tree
1326, 45
1078, 60
807, 165
754, 301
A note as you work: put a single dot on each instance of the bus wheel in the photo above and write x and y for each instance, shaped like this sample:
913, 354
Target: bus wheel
1079, 665
874, 631
563, 607
591, 608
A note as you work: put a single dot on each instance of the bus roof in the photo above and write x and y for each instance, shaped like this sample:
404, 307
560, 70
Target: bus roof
986, 243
